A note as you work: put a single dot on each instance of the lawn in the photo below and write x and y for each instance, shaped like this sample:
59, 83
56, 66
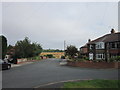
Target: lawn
93, 84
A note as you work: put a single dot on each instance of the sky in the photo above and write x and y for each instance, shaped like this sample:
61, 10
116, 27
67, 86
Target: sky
50, 23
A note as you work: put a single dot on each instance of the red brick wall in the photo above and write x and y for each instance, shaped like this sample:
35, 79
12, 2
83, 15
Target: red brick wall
114, 51
95, 64
84, 50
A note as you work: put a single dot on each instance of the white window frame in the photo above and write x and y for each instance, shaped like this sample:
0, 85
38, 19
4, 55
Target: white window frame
100, 45
102, 56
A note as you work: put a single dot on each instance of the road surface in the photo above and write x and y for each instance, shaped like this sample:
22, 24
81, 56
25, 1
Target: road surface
47, 71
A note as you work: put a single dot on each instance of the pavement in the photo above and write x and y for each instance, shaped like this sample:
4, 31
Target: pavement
20, 64
24, 63
49, 73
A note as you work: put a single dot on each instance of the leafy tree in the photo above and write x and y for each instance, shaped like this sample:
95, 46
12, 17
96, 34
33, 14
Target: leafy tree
3, 46
37, 49
9, 47
71, 51
52, 50
25, 49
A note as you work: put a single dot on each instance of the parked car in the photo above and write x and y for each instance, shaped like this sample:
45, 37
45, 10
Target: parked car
63, 62
4, 65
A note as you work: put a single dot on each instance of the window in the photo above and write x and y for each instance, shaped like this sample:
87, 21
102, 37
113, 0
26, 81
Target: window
99, 56
100, 45
91, 46
118, 45
97, 46
113, 45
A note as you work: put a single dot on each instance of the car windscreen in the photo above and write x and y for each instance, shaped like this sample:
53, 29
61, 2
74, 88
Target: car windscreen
1, 61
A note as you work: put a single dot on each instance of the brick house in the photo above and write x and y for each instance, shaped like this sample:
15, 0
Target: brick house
105, 47
83, 51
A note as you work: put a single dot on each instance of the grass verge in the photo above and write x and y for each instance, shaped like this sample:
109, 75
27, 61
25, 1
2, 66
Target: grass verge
93, 84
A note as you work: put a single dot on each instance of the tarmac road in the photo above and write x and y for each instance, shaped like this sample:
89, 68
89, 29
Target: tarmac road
48, 71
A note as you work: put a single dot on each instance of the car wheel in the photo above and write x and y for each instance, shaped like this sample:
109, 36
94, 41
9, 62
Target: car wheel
9, 66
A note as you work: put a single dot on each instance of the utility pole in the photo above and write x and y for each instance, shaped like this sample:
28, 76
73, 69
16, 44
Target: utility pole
64, 45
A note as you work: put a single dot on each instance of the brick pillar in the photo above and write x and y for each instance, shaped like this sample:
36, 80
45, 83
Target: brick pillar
116, 65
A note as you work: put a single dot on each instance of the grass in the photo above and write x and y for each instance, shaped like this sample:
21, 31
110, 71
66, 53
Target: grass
93, 84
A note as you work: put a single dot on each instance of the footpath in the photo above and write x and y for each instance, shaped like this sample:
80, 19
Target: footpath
23, 63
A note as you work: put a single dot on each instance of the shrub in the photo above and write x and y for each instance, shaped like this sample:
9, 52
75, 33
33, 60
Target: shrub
114, 59
82, 60
86, 58
62, 57
34, 58
49, 55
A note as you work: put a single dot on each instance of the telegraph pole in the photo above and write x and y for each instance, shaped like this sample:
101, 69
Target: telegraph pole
64, 45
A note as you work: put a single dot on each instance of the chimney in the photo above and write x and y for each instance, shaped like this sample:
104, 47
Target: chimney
112, 31
89, 40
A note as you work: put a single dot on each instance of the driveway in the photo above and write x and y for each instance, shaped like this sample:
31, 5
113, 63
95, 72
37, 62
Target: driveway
48, 71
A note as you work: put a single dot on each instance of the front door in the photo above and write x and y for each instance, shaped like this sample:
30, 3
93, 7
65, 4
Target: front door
90, 56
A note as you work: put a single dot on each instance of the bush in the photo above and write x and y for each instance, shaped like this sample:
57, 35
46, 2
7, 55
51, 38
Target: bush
86, 58
114, 59
62, 57
97, 60
34, 58
49, 55
80, 60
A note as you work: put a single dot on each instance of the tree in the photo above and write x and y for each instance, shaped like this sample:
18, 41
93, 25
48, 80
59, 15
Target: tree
24, 48
3, 46
37, 49
52, 50
9, 47
71, 51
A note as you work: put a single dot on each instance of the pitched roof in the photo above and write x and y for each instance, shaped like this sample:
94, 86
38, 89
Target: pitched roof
85, 46
107, 38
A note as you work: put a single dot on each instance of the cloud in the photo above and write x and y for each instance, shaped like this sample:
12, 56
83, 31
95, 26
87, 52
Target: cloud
52, 23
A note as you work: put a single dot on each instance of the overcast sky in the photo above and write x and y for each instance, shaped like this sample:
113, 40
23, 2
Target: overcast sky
50, 23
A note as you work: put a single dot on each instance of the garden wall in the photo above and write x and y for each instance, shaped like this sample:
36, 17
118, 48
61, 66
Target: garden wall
100, 65
21, 60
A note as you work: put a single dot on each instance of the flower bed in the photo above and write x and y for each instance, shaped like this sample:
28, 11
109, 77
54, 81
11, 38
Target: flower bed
100, 65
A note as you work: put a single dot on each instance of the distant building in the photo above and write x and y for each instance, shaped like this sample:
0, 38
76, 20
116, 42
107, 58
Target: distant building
105, 47
55, 54
83, 51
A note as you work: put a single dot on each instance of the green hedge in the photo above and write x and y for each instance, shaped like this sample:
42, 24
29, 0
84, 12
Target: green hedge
34, 58
115, 59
